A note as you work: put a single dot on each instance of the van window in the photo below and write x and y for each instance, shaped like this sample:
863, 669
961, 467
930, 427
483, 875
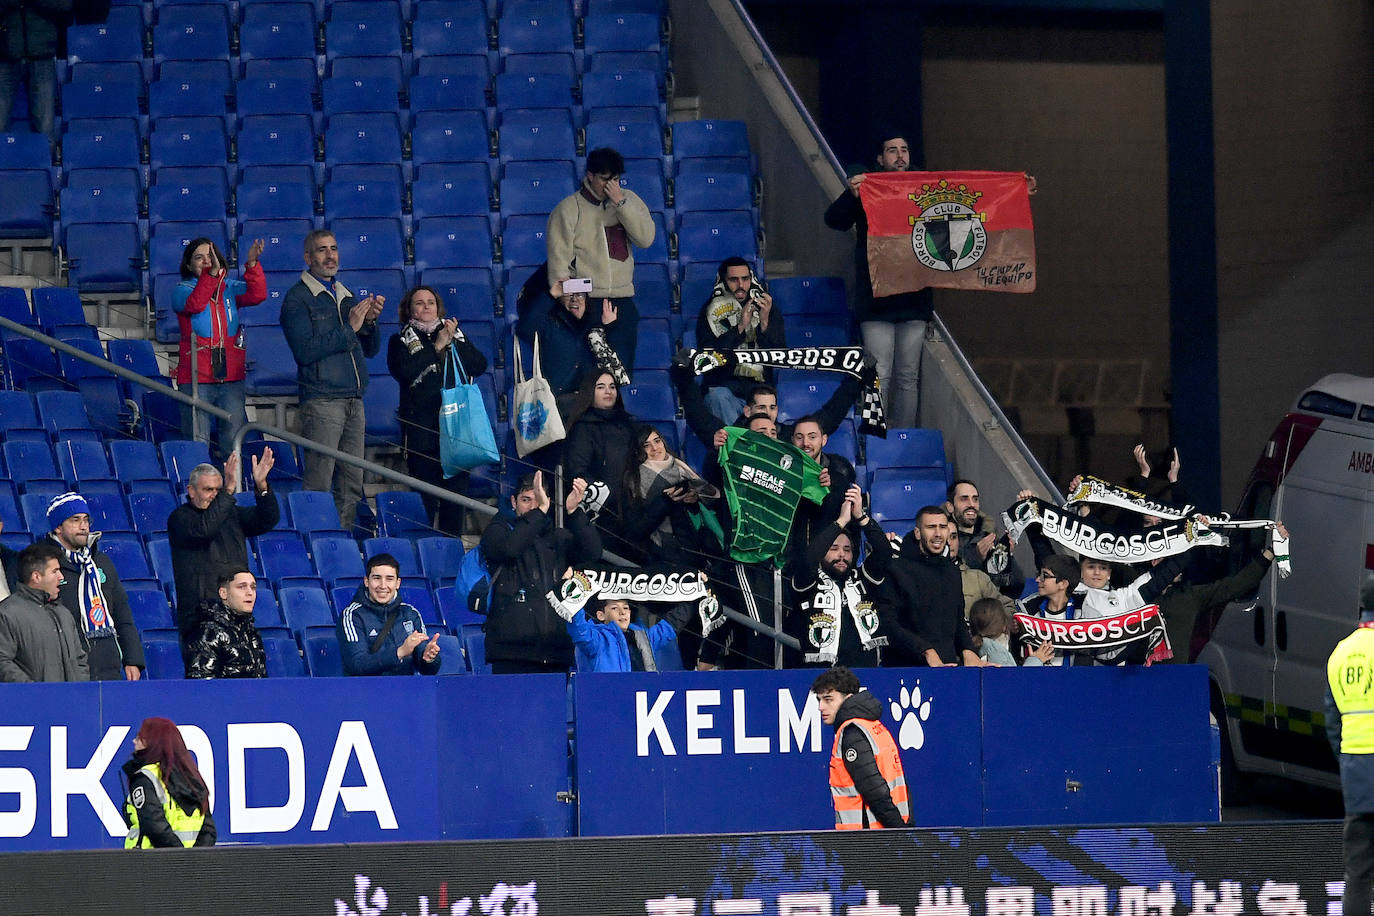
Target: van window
1249, 542
1319, 402
1367, 414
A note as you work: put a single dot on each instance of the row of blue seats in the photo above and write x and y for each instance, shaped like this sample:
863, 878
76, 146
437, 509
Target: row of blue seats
408, 10
318, 657
366, 29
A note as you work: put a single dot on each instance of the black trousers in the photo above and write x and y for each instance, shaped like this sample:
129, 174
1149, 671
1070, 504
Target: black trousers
422, 462
1358, 845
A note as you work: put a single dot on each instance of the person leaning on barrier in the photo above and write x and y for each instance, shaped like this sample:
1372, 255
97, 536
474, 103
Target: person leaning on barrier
208, 532
416, 356
37, 639
226, 642
867, 784
1350, 729
168, 805
92, 592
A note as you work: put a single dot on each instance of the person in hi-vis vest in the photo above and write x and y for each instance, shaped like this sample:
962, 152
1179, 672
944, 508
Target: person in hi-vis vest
168, 803
866, 780
1350, 729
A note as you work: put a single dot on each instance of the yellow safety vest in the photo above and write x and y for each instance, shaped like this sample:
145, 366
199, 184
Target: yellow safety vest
850, 811
1350, 672
185, 826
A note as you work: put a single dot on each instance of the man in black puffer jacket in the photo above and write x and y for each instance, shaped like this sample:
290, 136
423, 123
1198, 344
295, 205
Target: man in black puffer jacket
924, 600
225, 642
379, 633
527, 556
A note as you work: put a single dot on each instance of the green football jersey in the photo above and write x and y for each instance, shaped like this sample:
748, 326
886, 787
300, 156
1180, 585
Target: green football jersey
765, 480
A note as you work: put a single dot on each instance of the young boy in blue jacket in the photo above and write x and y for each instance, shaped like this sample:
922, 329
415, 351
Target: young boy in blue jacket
609, 641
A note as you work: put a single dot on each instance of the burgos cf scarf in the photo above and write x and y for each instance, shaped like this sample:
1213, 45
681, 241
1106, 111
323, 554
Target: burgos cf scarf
1092, 537
961, 230
1141, 625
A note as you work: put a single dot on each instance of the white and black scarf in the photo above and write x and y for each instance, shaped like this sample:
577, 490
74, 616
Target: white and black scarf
824, 617
1093, 537
1093, 490
607, 360
849, 360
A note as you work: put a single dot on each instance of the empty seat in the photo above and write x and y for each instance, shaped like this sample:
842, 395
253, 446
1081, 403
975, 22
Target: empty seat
715, 236
648, 401
530, 29
118, 38
101, 196
188, 141
821, 331
448, 92
57, 307
14, 305
275, 139
358, 33
313, 511
622, 88
439, 559
24, 151
538, 134
712, 191
452, 65
533, 90
322, 656
168, 98
28, 198
523, 242
370, 244
361, 199
402, 514
284, 558
61, 412
343, 94
186, 202
283, 658
372, 137
285, 35
29, 460
379, 408
99, 98
710, 138
449, 136
463, 242
180, 456
809, 295
149, 511
338, 561
432, 35
463, 189
96, 143
271, 369
535, 194
81, 460
400, 548
150, 609
275, 200
907, 449
303, 606
630, 138
164, 661
195, 36
621, 31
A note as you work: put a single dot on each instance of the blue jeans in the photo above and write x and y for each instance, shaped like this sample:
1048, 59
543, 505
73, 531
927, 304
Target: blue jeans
40, 76
338, 423
226, 396
897, 348
723, 404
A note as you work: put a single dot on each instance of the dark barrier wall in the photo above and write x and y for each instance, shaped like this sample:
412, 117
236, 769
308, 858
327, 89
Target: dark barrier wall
422, 759
1223, 870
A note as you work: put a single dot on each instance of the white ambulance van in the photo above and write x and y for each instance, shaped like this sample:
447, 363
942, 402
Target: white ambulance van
1267, 653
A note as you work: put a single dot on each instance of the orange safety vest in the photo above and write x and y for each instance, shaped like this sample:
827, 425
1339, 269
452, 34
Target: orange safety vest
850, 811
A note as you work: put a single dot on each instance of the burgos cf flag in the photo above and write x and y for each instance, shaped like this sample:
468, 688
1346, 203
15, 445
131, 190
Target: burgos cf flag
963, 230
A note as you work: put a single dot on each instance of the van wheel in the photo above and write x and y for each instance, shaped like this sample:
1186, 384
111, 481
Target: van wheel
1236, 786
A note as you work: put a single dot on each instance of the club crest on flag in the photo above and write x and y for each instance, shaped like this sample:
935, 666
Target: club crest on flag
948, 232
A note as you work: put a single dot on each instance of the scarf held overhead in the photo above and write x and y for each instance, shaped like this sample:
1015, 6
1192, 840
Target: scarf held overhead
1144, 624
1092, 537
849, 360
1093, 490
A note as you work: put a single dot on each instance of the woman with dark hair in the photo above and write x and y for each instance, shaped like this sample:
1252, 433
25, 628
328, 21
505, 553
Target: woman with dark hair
168, 803
666, 505
565, 326
600, 433
417, 358
207, 303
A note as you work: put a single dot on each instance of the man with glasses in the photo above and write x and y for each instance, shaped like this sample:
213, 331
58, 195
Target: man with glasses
592, 235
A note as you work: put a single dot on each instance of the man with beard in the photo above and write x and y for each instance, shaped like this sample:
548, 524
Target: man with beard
738, 316
980, 547
837, 476
925, 591
226, 642
92, 592
836, 619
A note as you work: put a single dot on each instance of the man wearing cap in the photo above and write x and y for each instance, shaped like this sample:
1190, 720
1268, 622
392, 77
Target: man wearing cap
1350, 729
91, 590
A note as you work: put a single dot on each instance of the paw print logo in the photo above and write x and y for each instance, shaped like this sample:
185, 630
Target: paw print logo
909, 710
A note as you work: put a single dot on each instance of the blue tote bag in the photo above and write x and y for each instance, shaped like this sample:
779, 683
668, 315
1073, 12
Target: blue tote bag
465, 436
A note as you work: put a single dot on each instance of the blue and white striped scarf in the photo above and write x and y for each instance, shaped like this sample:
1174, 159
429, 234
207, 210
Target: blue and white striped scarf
95, 610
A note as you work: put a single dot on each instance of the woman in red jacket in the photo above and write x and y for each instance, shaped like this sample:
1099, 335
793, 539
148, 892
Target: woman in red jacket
207, 305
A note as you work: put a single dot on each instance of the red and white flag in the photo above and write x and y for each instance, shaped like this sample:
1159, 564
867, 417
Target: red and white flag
961, 230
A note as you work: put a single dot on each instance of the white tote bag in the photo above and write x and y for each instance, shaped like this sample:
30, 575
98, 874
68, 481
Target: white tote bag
535, 416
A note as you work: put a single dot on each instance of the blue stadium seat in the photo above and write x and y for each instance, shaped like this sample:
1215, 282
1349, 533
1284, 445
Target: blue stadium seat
179, 458
658, 250
150, 609
809, 295
266, 611
797, 398
533, 90
63, 412
820, 331
694, 139
164, 660
402, 514
536, 190
400, 548
57, 307
136, 355
716, 235
422, 599
275, 200
432, 35
186, 202
379, 407
149, 511
284, 240
844, 442
537, 135
17, 413
368, 67
622, 89
95, 71
284, 558
97, 143
475, 645
522, 241
171, 98
275, 139
34, 506
363, 33
370, 244
30, 365
459, 189
101, 196
286, 467
135, 459
439, 558
303, 606
188, 141
635, 139
894, 494
299, 13
648, 401
463, 242
28, 198
467, 292
448, 93
118, 38
361, 200
338, 561
81, 460
345, 94
273, 95
907, 449
622, 31
373, 137
453, 65
449, 136
536, 28
294, 68
289, 33
322, 656
283, 658
452, 661
98, 98
160, 557
24, 151
198, 32
712, 191
15, 527
76, 370
126, 550
271, 370
312, 511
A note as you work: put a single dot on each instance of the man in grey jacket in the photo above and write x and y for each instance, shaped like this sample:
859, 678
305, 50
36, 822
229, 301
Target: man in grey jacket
38, 641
